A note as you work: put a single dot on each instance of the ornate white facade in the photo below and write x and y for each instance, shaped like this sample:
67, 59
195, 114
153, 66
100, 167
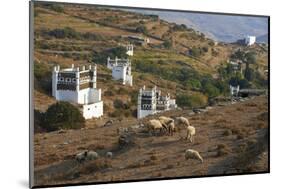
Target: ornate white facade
151, 102
78, 86
121, 70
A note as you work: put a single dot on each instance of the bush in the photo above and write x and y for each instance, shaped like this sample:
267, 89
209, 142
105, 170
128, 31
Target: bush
141, 29
38, 120
42, 77
193, 84
63, 115
181, 27
101, 57
66, 32
56, 7
167, 44
211, 90
119, 104
196, 100
196, 52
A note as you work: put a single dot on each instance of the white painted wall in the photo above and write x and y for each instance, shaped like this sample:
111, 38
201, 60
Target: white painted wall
94, 110
67, 95
119, 72
144, 113
250, 40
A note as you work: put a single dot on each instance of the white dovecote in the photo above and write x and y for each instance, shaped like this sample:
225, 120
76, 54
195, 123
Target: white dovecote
78, 85
152, 102
121, 70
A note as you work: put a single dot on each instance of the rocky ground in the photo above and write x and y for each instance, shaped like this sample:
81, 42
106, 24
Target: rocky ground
231, 139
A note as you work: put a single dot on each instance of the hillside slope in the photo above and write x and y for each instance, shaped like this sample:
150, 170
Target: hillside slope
231, 139
176, 59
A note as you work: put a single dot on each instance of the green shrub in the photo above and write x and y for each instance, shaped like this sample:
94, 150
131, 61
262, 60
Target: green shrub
63, 115
56, 7
101, 57
167, 44
42, 77
211, 90
38, 120
196, 52
205, 49
180, 27
118, 104
142, 29
193, 84
194, 100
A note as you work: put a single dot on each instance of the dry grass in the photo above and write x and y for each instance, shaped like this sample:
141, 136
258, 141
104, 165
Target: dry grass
152, 155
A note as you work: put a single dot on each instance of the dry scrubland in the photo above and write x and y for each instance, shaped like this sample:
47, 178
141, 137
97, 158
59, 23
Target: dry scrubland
108, 26
231, 139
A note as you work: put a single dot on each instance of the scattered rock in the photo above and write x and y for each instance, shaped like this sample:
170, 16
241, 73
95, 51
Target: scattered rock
108, 123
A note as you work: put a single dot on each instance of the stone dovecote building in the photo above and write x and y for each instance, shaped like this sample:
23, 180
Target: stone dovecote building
152, 102
121, 70
78, 86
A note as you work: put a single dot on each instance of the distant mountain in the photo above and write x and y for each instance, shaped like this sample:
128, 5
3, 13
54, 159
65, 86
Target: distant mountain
225, 28
262, 39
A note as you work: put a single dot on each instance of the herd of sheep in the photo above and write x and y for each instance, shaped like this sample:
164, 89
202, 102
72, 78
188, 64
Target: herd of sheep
167, 124
162, 125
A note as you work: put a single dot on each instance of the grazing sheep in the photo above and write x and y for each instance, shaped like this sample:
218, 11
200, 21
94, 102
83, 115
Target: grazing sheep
182, 120
171, 127
109, 155
81, 157
155, 124
92, 155
169, 122
193, 154
165, 120
190, 132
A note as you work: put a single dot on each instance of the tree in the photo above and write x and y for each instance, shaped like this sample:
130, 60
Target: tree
63, 115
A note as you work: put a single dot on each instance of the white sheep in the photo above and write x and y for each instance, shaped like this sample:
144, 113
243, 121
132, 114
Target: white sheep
165, 119
169, 123
155, 124
182, 120
193, 154
109, 154
190, 132
81, 157
92, 155
171, 128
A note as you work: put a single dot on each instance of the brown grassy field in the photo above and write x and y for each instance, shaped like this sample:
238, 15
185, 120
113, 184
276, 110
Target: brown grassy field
231, 139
